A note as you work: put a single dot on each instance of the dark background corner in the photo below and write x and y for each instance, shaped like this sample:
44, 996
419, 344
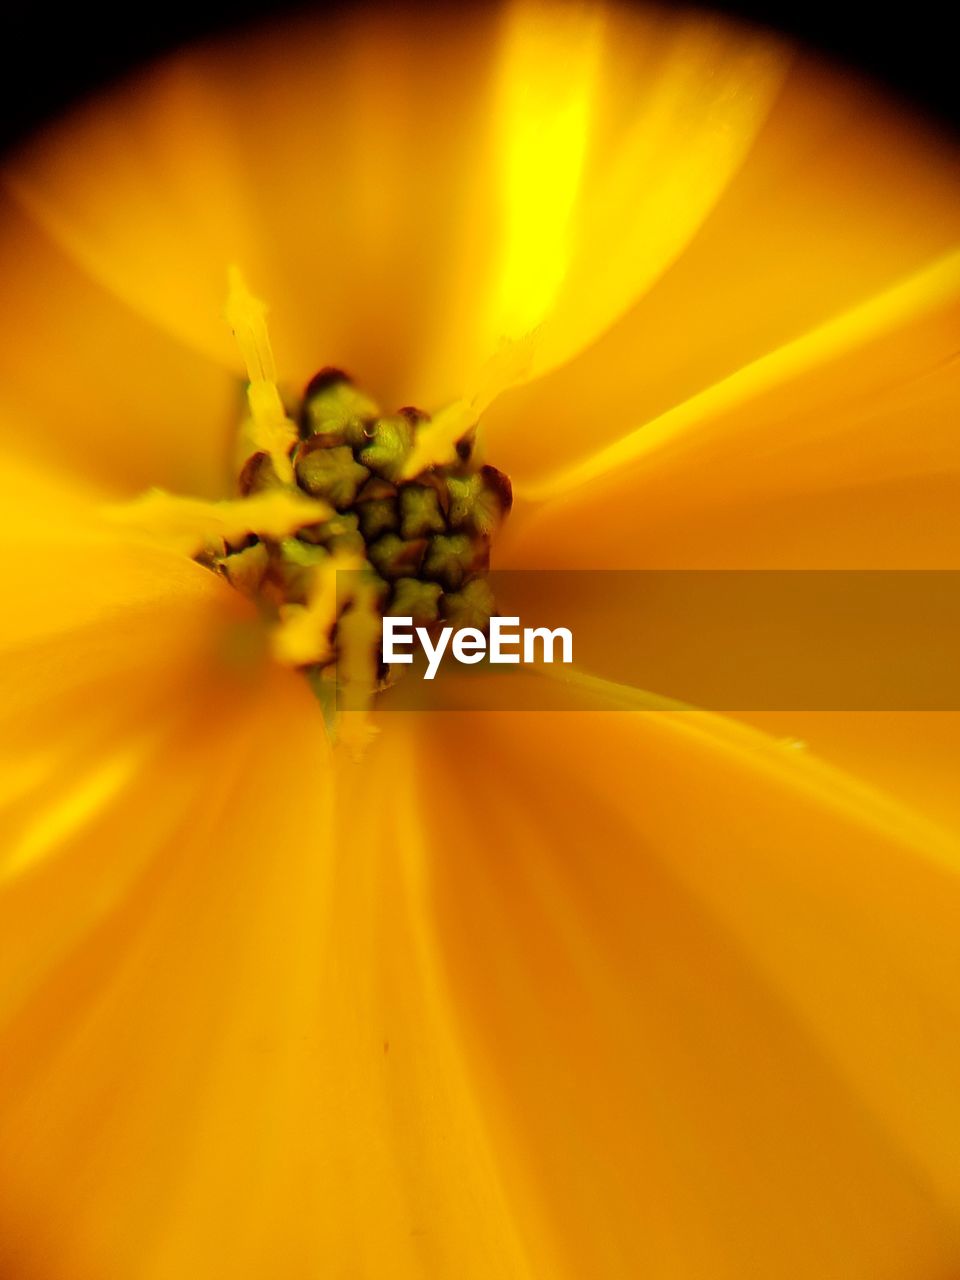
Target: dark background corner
52, 58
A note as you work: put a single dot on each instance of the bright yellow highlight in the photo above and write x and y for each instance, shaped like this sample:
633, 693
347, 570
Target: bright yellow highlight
72, 810
549, 69
569, 183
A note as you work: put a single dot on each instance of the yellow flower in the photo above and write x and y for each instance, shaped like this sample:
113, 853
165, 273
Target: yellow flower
515, 995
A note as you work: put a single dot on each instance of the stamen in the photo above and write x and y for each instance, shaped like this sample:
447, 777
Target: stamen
436, 443
303, 636
247, 317
194, 526
269, 429
358, 640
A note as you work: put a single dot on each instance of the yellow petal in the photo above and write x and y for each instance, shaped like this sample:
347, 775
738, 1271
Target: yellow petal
705, 984
91, 390
842, 199
67, 569
839, 449
682, 1010
573, 153
232, 1046
616, 135
223, 1037
869, 744
105, 641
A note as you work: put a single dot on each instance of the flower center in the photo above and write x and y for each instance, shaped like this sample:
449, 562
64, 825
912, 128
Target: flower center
417, 547
345, 515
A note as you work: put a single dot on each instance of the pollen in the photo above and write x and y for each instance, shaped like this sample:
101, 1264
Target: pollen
371, 533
